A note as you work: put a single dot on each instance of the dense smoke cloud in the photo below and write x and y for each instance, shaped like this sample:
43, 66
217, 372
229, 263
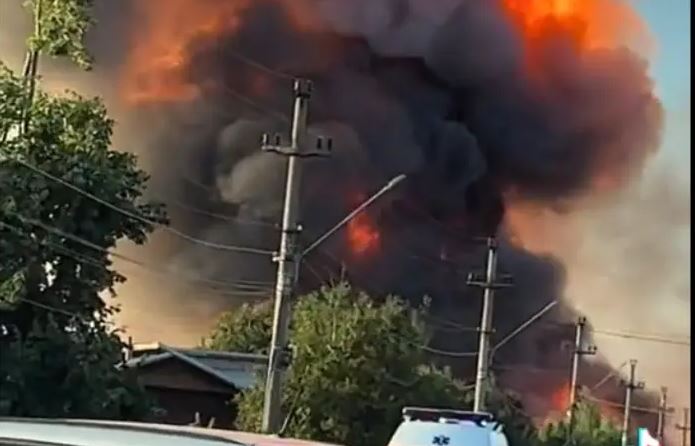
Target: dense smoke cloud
480, 112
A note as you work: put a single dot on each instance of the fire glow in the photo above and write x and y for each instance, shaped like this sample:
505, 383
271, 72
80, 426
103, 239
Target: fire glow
155, 70
363, 235
560, 398
589, 23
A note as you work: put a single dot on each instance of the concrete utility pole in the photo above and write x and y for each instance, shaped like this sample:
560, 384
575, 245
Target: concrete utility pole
577, 354
288, 258
488, 284
630, 386
685, 427
661, 420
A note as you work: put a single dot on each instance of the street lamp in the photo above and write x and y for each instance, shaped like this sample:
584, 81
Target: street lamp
281, 357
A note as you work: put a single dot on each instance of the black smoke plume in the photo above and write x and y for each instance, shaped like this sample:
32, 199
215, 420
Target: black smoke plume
437, 90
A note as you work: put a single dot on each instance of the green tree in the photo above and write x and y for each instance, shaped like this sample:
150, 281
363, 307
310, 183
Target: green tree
245, 330
590, 429
60, 29
59, 347
356, 364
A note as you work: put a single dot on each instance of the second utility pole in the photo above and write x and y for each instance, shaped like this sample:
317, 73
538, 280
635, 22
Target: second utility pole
661, 420
577, 354
685, 427
630, 386
488, 285
288, 258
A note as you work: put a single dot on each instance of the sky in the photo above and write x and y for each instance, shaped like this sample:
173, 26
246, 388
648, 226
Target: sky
664, 220
669, 21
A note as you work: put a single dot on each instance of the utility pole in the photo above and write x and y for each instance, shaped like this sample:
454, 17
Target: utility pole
577, 354
488, 284
661, 420
288, 258
685, 427
630, 386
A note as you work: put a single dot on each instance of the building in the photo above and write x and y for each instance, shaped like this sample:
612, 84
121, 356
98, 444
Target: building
194, 385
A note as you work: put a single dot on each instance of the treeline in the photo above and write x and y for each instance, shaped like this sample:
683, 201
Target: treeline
357, 363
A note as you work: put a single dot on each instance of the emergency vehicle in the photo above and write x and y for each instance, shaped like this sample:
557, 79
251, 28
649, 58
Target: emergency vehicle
444, 427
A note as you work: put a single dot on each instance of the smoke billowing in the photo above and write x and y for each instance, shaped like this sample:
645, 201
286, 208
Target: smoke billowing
492, 109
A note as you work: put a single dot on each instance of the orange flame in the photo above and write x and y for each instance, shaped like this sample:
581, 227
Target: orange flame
363, 235
560, 398
588, 23
579, 25
155, 68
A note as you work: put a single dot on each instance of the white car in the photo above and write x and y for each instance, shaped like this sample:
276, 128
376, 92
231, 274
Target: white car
34, 432
442, 427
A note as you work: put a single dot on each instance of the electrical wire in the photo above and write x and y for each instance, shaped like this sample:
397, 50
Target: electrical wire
215, 215
236, 288
313, 271
253, 104
138, 217
652, 337
448, 353
52, 309
525, 324
643, 337
443, 324
528, 368
608, 376
621, 405
255, 64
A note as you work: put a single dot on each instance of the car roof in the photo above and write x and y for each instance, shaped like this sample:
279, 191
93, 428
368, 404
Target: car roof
56, 432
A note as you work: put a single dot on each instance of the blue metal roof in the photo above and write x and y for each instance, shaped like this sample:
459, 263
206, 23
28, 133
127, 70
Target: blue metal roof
239, 370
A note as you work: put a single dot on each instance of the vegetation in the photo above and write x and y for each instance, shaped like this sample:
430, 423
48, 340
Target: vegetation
356, 364
59, 347
590, 429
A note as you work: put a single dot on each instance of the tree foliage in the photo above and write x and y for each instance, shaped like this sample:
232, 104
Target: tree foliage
590, 429
54, 372
245, 330
60, 28
356, 364
59, 348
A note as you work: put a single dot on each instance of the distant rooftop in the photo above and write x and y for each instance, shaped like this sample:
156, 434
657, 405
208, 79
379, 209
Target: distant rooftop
233, 368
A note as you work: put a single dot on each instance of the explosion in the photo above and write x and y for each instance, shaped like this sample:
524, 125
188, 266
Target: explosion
505, 115
589, 24
156, 69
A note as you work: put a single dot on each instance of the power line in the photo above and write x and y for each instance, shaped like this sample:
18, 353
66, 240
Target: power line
528, 368
258, 65
525, 324
620, 405
215, 215
220, 285
447, 353
138, 217
52, 309
643, 337
608, 376
653, 337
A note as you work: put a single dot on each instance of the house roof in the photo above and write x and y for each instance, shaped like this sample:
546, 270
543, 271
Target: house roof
235, 369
